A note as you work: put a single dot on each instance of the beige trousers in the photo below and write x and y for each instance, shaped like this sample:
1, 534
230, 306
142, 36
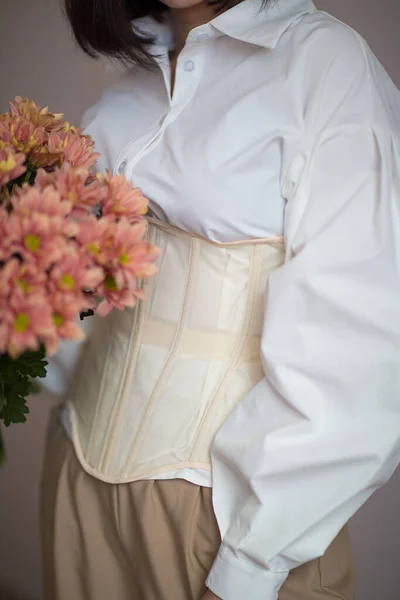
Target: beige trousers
147, 540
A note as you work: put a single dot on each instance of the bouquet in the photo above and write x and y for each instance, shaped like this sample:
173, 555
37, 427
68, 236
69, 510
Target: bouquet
71, 243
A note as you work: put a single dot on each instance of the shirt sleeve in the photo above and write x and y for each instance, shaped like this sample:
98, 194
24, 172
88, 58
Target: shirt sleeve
313, 440
62, 366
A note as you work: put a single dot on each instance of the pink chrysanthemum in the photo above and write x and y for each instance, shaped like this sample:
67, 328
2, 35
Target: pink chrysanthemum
5, 134
24, 322
115, 298
5, 235
93, 236
33, 199
131, 257
72, 274
65, 308
123, 200
11, 164
56, 257
9, 236
40, 117
73, 185
38, 238
41, 157
25, 277
73, 148
25, 136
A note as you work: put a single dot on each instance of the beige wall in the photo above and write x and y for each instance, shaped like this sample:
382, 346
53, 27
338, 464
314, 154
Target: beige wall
38, 59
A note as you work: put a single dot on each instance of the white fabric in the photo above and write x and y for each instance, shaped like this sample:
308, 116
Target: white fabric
60, 371
155, 382
283, 121
199, 477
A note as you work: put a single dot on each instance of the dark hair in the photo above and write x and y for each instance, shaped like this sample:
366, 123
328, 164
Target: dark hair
104, 26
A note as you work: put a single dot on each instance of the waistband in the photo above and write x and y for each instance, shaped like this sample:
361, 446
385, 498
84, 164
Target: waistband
278, 242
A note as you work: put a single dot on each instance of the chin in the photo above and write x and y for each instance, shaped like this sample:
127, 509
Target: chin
181, 3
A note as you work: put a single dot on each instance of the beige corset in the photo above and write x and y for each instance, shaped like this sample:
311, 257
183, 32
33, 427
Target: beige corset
156, 382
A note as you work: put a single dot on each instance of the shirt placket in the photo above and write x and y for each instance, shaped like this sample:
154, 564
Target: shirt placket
189, 70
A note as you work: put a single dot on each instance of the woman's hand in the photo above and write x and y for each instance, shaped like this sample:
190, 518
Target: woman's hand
210, 596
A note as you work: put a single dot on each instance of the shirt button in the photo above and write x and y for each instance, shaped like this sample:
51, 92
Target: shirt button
122, 166
189, 65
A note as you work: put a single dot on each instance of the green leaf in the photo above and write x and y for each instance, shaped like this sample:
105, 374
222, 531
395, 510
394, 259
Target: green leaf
2, 396
2, 450
28, 176
14, 411
17, 382
33, 363
17, 387
30, 363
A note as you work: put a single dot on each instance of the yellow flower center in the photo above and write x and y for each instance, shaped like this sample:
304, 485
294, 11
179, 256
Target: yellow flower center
7, 165
32, 242
32, 143
73, 196
21, 323
57, 320
93, 248
24, 146
23, 285
67, 282
110, 284
123, 258
69, 128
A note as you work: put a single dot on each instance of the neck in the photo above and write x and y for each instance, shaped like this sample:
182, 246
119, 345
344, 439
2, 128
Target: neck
186, 19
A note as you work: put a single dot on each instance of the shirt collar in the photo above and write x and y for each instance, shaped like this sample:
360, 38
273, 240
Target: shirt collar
248, 21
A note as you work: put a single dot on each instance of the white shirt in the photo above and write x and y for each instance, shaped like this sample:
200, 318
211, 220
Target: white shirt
283, 122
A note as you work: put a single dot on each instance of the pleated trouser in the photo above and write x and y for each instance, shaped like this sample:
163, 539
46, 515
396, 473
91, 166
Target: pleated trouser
147, 540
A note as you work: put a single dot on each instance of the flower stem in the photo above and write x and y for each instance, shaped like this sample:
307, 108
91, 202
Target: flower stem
28, 176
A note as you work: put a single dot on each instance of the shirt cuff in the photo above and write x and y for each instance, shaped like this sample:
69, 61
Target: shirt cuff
233, 579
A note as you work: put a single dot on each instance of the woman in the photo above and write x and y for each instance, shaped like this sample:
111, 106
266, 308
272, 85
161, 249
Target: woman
266, 137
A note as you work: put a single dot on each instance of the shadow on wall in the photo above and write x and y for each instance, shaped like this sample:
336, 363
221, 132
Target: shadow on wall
6, 594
